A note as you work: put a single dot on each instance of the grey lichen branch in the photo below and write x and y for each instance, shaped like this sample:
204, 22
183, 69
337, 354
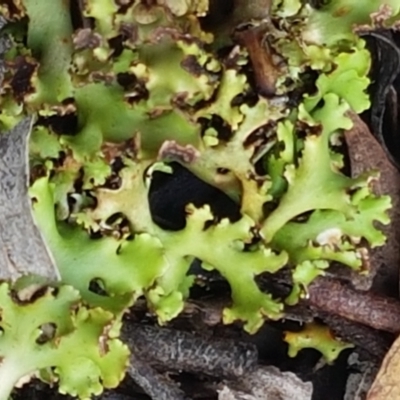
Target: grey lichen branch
22, 248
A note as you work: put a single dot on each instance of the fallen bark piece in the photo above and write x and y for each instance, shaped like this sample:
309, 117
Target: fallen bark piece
333, 296
23, 250
267, 383
367, 154
173, 350
386, 385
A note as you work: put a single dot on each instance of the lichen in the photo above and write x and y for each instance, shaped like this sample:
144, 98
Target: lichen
142, 86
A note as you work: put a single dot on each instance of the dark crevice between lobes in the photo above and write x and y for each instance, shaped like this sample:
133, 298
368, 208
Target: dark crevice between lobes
170, 194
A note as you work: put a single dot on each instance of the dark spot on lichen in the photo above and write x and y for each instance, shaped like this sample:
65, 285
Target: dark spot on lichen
96, 285
342, 11
86, 39
135, 89
47, 333
64, 121
117, 44
37, 171
102, 77
318, 4
126, 149
113, 182
124, 5
127, 80
129, 32
250, 98
222, 128
191, 65
21, 82
218, 13
260, 135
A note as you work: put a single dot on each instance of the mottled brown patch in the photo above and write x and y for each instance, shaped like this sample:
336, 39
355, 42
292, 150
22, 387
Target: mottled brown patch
128, 148
179, 100
259, 136
129, 32
12, 9
341, 11
102, 77
173, 151
135, 89
191, 65
36, 172
266, 70
64, 121
22, 80
86, 39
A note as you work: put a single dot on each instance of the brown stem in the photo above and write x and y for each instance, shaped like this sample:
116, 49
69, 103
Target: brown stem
333, 296
266, 72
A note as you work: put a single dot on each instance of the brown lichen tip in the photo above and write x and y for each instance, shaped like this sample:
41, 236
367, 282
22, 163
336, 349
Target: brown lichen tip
170, 150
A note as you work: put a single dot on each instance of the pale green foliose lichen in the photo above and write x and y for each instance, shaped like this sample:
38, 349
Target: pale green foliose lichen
139, 84
318, 337
53, 335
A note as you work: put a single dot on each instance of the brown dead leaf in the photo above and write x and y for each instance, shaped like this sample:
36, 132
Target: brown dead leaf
367, 154
387, 385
